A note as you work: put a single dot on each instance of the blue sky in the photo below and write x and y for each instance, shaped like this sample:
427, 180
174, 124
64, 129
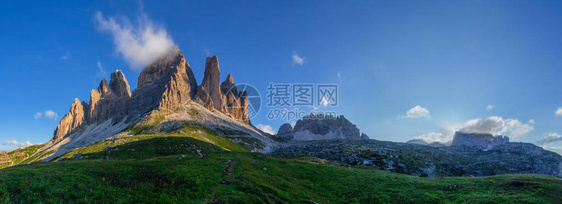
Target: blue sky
451, 58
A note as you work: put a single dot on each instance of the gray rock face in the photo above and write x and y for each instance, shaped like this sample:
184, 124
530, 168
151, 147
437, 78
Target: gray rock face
423, 160
480, 141
285, 129
165, 84
364, 136
316, 128
285, 133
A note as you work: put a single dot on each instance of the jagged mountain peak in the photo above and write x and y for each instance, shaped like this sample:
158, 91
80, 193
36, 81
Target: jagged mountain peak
228, 86
211, 83
103, 88
165, 86
119, 84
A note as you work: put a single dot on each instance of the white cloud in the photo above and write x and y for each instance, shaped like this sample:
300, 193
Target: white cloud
497, 126
25, 144
549, 138
51, 114
493, 125
445, 137
324, 102
340, 77
266, 128
559, 111
298, 59
11, 142
417, 112
16, 143
490, 107
48, 114
66, 56
101, 72
532, 121
138, 44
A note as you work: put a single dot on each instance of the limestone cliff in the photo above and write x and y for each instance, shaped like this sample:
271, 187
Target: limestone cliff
72, 120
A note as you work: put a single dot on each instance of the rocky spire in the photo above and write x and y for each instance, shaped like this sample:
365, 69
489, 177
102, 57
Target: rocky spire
95, 97
109, 101
167, 83
211, 83
103, 88
244, 107
72, 120
228, 86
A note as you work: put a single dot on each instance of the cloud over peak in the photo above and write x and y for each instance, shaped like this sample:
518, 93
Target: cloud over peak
497, 126
138, 44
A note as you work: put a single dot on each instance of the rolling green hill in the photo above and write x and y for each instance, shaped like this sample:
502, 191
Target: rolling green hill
195, 168
20, 156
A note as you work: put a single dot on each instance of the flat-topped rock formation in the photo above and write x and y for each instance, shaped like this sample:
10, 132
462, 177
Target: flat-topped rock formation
480, 141
316, 128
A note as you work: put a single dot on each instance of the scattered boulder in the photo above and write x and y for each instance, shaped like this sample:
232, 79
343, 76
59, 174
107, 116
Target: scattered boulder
364, 136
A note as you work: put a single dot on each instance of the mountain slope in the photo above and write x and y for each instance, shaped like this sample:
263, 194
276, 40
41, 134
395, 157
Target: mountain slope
174, 169
422, 160
19, 156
